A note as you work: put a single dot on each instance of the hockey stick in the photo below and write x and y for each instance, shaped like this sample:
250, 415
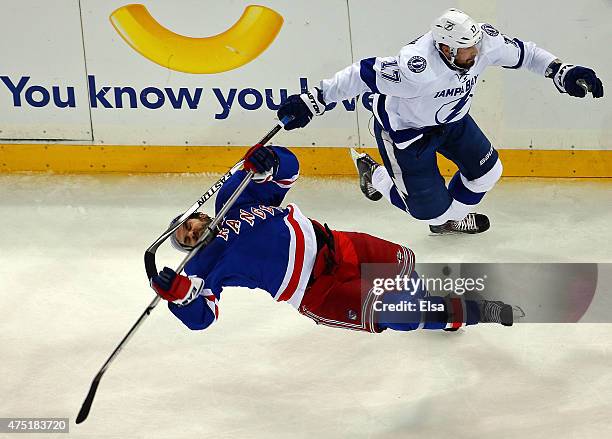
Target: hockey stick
152, 270
149, 256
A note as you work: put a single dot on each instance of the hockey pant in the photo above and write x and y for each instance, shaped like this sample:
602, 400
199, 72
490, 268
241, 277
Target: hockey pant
340, 293
412, 181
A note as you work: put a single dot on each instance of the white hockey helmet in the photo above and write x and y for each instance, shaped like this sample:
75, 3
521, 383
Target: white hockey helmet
173, 241
457, 30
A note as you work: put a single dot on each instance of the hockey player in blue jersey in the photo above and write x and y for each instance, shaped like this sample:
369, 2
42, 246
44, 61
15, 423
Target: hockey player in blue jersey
296, 260
421, 100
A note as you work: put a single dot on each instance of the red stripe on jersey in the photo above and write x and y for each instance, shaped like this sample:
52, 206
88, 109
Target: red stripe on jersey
213, 300
288, 181
457, 305
298, 261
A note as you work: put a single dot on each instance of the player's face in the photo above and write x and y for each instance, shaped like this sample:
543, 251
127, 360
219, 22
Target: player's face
466, 57
191, 230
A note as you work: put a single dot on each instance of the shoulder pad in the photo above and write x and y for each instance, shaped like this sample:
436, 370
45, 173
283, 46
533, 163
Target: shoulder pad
492, 39
415, 63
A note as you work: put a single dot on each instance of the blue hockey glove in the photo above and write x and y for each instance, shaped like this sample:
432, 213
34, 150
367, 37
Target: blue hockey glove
263, 161
577, 81
302, 108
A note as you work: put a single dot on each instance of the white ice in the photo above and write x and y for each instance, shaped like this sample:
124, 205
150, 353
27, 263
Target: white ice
72, 283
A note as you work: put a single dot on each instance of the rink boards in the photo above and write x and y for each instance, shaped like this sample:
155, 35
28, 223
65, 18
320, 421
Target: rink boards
319, 161
84, 92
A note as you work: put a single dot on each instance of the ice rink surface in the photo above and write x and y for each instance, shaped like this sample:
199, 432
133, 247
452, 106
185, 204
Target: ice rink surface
73, 282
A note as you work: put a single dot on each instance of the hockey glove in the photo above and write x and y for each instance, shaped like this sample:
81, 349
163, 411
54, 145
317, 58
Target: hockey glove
576, 81
263, 161
302, 108
176, 288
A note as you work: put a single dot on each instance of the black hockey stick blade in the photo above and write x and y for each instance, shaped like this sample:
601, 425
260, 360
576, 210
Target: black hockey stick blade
84, 412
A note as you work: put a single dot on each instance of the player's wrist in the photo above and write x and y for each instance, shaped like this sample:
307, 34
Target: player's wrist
187, 290
557, 71
178, 289
553, 68
313, 99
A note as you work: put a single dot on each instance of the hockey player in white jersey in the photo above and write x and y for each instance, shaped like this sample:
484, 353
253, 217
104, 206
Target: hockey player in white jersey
421, 100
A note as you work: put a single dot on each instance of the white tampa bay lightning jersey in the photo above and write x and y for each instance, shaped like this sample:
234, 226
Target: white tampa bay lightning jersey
418, 89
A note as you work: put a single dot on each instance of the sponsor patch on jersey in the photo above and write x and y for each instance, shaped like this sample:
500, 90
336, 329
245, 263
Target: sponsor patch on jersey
490, 30
417, 64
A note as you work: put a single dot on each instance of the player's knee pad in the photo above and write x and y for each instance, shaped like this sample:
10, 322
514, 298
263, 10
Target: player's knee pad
461, 193
487, 181
471, 192
430, 203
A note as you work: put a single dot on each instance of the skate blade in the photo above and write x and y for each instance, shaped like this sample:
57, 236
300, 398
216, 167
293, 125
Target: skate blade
449, 234
517, 313
355, 156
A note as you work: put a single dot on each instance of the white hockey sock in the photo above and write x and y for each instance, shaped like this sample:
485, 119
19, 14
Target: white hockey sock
382, 182
455, 212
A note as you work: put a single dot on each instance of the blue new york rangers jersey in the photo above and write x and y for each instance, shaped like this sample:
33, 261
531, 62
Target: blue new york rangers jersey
417, 88
259, 245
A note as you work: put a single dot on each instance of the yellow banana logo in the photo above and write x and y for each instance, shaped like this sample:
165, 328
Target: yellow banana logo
240, 44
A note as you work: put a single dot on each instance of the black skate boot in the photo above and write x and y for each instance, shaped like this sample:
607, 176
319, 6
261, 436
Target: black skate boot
472, 223
365, 166
499, 312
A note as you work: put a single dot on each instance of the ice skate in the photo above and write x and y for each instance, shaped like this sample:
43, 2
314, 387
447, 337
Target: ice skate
365, 166
471, 224
499, 312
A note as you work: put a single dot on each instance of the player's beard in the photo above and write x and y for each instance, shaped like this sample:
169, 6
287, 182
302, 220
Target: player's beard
200, 227
467, 65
